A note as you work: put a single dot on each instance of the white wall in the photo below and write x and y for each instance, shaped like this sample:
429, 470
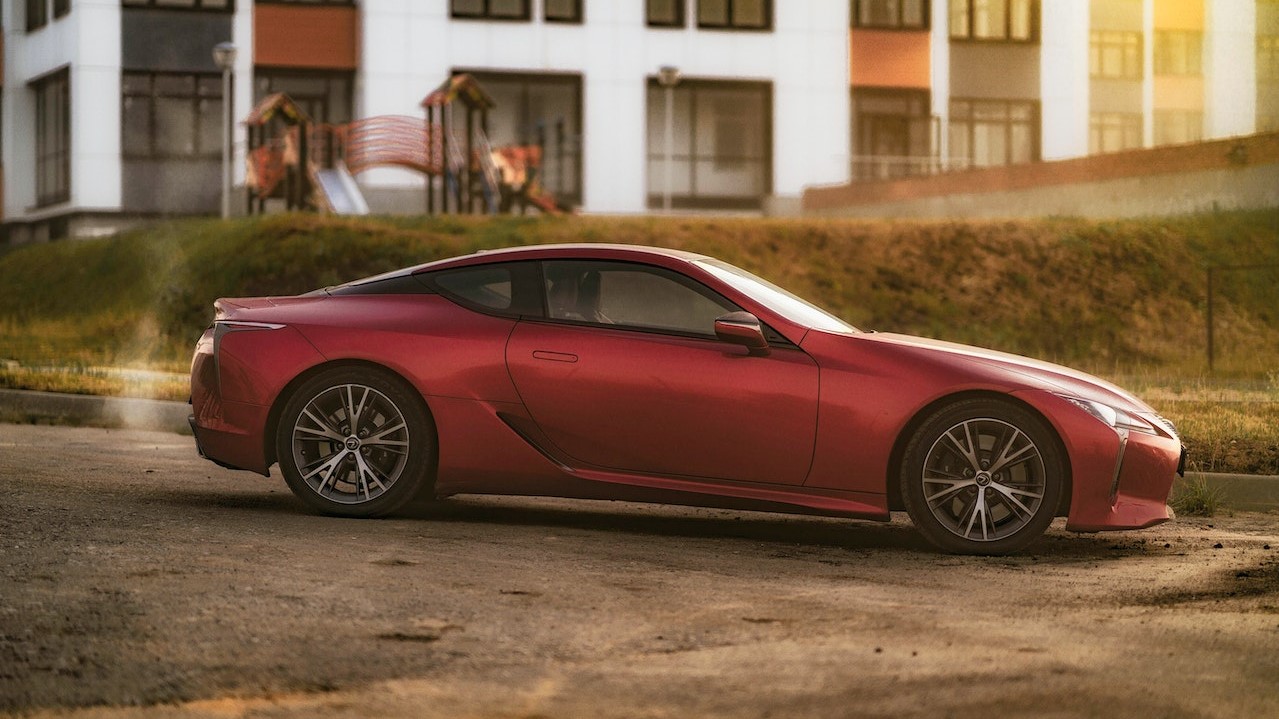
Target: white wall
1063, 79
88, 41
1230, 68
410, 46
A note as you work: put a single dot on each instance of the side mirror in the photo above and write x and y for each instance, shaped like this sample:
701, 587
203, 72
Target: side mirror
742, 328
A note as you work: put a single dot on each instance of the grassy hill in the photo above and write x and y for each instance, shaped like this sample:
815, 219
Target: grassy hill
1111, 296
1124, 299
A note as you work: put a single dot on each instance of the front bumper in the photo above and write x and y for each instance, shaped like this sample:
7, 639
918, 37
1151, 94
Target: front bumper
1117, 482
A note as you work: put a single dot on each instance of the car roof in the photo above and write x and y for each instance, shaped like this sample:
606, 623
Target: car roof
577, 250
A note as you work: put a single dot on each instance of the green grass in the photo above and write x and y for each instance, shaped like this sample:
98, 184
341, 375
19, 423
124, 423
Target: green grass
1197, 498
1123, 299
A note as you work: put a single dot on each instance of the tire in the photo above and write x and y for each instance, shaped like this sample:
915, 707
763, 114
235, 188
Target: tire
368, 468
982, 476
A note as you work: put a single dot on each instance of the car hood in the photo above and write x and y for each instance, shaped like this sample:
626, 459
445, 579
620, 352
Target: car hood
1037, 372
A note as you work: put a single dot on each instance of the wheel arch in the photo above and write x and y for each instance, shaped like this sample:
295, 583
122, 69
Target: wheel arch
897, 456
285, 394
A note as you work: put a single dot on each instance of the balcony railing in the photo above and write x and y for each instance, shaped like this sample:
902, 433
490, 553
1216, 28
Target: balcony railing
888, 167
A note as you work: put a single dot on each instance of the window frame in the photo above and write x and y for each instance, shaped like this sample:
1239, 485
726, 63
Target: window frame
1007, 38
61, 8
1162, 60
1098, 122
681, 12
900, 25
486, 15
1035, 123
693, 199
527, 298
196, 6
730, 26
61, 152
37, 14
578, 17
679, 278
1267, 57
278, 73
1099, 40
200, 154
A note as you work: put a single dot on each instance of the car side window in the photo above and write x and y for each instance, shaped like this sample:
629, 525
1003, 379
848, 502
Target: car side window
487, 286
630, 295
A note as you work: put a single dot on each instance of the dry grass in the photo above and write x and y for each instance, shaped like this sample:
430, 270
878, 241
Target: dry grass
1121, 299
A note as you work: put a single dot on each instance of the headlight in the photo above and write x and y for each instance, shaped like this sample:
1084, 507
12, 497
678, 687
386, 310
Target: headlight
1115, 418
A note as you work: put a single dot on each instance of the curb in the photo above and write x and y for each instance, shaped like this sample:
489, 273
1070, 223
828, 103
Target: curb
30, 407
1240, 491
1248, 492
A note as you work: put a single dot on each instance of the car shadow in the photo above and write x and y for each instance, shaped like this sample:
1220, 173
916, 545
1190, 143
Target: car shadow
794, 534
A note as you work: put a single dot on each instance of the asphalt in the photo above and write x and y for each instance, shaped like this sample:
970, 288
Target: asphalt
1259, 493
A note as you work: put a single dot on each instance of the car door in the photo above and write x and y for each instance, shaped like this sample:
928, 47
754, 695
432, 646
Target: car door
625, 372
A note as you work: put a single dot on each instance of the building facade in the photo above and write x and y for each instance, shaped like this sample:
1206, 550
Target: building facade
111, 110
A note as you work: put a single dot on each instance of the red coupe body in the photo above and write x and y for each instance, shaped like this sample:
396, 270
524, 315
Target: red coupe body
525, 400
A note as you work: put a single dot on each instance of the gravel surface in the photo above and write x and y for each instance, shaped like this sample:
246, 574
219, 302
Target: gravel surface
139, 580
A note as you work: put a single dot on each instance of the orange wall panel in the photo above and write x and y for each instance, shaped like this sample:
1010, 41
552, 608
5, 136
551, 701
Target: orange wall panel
1174, 92
306, 36
1179, 14
889, 58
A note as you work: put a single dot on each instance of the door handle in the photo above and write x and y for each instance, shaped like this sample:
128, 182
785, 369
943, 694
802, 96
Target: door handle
554, 356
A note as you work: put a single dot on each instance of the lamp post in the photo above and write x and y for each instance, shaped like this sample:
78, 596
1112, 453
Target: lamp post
668, 77
224, 55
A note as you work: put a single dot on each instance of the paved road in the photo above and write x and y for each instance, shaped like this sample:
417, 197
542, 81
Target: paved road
139, 580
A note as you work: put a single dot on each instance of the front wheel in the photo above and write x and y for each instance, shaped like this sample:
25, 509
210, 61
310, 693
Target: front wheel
355, 442
982, 476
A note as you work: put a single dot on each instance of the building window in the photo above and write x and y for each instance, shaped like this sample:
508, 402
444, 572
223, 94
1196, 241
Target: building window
1113, 132
893, 133
213, 5
61, 7
891, 14
37, 14
665, 13
1178, 52
543, 111
1178, 127
735, 14
490, 9
722, 156
563, 11
171, 115
53, 138
324, 95
994, 132
1114, 54
1267, 58
1005, 20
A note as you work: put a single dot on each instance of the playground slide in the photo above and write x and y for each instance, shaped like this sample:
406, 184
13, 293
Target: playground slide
339, 191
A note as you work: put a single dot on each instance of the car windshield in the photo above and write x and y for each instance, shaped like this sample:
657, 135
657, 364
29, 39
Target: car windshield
795, 309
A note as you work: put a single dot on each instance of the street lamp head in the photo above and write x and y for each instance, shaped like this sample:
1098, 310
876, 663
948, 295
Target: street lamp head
668, 76
224, 55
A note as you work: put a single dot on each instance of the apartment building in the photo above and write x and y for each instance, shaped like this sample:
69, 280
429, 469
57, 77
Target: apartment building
972, 83
111, 109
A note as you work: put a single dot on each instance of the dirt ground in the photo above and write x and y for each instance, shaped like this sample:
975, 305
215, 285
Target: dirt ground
139, 580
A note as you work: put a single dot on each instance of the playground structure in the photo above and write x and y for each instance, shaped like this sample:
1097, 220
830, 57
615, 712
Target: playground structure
312, 166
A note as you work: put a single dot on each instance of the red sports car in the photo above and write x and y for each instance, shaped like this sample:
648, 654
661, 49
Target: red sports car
619, 372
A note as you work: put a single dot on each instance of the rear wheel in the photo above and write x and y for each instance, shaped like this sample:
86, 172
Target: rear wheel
355, 442
982, 477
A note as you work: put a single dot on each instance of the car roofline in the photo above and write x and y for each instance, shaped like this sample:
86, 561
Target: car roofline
599, 250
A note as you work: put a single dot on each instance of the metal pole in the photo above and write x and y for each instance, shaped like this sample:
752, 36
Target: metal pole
226, 142
670, 148
1208, 319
